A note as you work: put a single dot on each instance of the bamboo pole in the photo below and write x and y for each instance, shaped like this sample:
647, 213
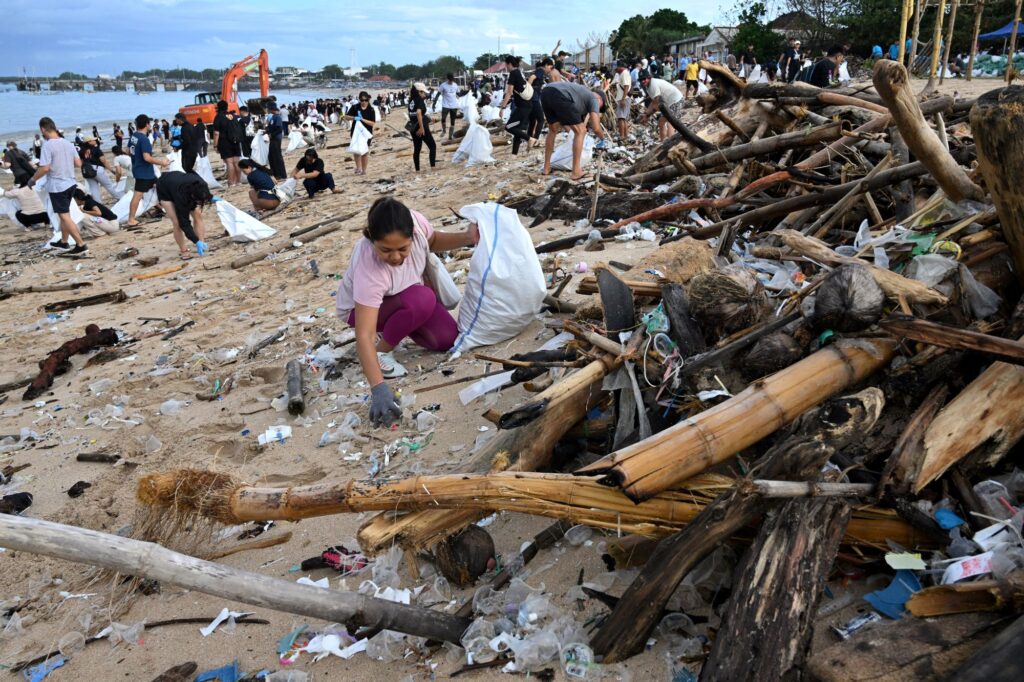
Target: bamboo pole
918, 11
936, 45
149, 560
949, 42
978, 10
1013, 43
904, 17
692, 446
580, 500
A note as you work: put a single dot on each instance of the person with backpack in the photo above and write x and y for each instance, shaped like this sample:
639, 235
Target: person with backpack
277, 129
826, 69
519, 87
95, 169
227, 139
18, 162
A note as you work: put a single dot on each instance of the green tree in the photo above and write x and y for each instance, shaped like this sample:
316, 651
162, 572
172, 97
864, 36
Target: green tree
437, 68
407, 72
640, 35
752, 29
332, 72
383, 69
72, 76
485, 61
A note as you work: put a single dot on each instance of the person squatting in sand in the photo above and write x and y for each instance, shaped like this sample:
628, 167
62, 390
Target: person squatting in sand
310, 170
384, 297
261, 185
183, 197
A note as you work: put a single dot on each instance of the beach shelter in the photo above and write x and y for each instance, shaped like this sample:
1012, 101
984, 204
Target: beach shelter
1003, 32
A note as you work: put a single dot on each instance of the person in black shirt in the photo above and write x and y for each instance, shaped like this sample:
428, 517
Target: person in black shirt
187, 143
823, 71
227, 139
245, 119
262, 193
99, 220
421, 125
310, 170
363, 114
519, 121
18, 162
183, 196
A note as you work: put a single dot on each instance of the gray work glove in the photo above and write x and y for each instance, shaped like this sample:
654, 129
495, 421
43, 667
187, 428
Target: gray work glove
384, 408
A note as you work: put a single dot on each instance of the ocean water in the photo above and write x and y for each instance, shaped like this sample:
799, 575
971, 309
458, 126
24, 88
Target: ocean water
20, 111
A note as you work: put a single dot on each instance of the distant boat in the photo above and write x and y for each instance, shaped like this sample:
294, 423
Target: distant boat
129, 87
160, 87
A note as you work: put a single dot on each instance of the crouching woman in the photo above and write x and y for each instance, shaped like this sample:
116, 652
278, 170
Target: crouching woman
183, 197
384, 297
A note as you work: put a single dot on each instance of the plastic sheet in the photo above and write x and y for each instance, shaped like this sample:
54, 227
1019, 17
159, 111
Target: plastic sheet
240, 225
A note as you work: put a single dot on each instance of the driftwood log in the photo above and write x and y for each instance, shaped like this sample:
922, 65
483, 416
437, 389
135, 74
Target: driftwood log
768, 622
799, 457
59, 361
293, 387
997, 123
148, 560
893, 84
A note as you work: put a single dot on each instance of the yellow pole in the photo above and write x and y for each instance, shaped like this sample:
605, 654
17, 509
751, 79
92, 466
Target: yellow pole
936, 44
918, 10
1013, 44
904, 17
949, 41
978, 9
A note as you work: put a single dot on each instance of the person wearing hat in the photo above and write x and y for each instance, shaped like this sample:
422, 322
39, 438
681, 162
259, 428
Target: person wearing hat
621, 87
276, 131
790, 61
661, 92
572, 107
99, 170
419, 125
448, 93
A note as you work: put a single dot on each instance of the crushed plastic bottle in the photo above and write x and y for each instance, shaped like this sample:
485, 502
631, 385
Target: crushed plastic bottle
151, 444
577, 535
425, 421
71, 643
279, 403
535, 650
170, 408
476, 640
101, 386
386, 645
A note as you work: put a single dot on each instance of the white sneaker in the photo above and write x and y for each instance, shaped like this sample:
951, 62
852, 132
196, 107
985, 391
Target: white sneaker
389, 367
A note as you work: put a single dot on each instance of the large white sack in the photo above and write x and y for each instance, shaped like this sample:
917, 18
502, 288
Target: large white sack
505, 287
260, 148
9, 207
240, 225
175, 159
294, 140
561, 157
476, 147
205, 171
360, 143
123, 205
490, 113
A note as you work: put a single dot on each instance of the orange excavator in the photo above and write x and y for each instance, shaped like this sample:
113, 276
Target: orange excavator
205, 108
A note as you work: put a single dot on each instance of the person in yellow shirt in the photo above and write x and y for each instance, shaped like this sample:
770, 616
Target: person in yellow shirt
692, 72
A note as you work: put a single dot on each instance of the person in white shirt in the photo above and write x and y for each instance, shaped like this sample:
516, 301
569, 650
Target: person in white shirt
448, 92
661, 92
30, 208
57, 163
622, 86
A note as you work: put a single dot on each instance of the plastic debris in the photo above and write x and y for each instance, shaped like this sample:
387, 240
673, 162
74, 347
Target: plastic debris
891, 601
224, 615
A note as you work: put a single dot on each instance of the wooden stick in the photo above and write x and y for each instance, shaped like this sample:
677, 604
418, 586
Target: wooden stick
97, 299
820, 227
10, 290
716, 434
998, 126
998, 660
769, 145
1010, 70
273, 338
949, 46
320, 223
901, 468
159, 273
940, 15
893, 84
260, 255
953, 337
258, 543
461, 380
685, 132
979, 9
811, 489
148, 560
986, 595
293, 387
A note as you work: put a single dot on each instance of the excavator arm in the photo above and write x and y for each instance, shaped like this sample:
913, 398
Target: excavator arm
229, 87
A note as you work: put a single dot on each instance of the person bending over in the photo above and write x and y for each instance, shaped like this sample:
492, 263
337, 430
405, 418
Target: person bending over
383, 295
31, 211
99, 220
572, 107
310, 170
261, 185
183, 197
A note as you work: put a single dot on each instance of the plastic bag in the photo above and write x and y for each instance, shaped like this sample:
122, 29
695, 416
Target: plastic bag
120, 209
205, 171
240, 225
476, 147
561, 158
260, 149
285, 191
294, 140
76, 213
175, 159
505, 286
360, 143
9, 207
982, 301
489, 113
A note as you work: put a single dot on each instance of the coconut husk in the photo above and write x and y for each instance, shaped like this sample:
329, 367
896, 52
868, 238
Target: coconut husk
464, 557
727, 300
769, 355
678, 261
849, 300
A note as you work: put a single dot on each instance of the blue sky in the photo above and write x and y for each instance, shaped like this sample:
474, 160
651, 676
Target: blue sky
107, 37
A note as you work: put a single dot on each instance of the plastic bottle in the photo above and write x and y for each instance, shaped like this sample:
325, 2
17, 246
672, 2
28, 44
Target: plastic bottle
172, 407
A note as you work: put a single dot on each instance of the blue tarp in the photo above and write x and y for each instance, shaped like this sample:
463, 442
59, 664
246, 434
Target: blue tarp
1004, 32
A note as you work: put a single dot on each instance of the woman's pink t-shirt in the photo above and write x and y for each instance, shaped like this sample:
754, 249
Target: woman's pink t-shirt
369, 279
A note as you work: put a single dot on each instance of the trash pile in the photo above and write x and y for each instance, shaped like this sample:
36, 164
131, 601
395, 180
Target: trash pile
800, 413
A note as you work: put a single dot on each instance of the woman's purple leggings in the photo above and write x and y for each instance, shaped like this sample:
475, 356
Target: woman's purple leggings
418, 314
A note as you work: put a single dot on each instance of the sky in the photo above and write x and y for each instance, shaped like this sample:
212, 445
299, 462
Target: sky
102, 36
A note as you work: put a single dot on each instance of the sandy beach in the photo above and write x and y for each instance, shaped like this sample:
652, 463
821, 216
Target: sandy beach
230, 309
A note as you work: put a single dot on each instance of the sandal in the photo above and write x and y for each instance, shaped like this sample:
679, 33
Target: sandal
185, 255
